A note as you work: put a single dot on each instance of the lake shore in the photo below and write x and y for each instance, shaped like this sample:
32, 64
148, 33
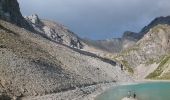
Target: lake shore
87, 93
130, 83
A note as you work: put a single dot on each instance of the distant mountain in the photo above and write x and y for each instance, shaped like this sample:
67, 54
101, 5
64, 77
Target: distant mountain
115, 45
128, 39
110, 45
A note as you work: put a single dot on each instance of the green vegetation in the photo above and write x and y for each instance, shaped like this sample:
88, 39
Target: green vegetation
127, 66
159, 70
161, 59
166, 76
150, 61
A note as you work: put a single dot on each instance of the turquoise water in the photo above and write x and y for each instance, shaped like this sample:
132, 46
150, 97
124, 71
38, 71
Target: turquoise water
144, 91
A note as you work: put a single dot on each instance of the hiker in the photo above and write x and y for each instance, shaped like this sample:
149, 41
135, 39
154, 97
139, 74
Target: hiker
129, 94
134, 95
121, 66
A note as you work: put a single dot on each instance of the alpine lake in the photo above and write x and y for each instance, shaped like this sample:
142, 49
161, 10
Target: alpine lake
143, 91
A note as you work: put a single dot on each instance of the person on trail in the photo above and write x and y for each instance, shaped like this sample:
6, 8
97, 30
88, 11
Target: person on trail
121, 66
129, 94
134, 95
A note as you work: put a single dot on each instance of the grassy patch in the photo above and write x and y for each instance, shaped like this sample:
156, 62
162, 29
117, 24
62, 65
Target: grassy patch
127, 51
127, 66
166, 76
150, 61
160, 69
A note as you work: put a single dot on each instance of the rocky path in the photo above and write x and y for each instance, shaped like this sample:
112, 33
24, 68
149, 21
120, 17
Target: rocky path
85, 93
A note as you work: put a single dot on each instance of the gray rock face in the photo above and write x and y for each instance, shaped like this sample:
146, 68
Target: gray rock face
55, 31
10, 11
33, 19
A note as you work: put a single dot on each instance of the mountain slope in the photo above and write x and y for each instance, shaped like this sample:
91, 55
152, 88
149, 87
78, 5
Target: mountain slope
151, 49
32, 65
162, 71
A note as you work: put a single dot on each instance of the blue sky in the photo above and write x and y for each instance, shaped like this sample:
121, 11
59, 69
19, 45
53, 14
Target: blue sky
98, 19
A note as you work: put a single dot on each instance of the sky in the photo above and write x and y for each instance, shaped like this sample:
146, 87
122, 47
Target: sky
98, 19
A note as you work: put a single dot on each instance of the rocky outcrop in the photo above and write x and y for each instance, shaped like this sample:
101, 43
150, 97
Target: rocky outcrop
55, 31
10, 11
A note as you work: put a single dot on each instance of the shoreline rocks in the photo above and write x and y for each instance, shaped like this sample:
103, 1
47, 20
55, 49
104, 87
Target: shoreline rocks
126, 98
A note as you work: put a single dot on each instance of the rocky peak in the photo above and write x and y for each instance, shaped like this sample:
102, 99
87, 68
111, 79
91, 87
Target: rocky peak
130, 35
159, 20
35, 22
10, 11
34, 19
